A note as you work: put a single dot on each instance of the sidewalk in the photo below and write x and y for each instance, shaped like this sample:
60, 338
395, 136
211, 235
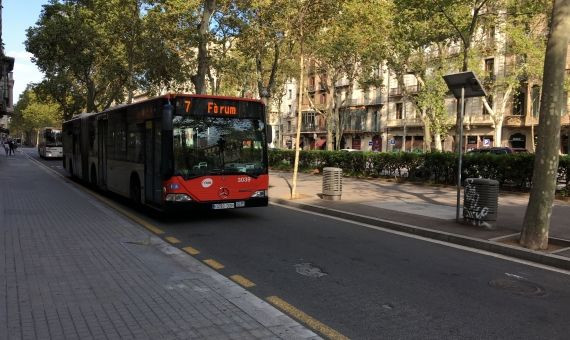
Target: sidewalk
430, 207
70, 267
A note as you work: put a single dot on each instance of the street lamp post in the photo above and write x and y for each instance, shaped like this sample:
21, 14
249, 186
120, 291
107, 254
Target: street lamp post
463, 85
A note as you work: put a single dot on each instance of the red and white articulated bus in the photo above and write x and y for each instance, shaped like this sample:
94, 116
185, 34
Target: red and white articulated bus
176, 150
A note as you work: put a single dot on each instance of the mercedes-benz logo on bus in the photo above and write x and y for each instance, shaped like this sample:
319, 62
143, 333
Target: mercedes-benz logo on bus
223, 192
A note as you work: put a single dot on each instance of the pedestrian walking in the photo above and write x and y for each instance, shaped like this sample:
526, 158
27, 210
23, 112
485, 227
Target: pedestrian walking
12, 146
5, 146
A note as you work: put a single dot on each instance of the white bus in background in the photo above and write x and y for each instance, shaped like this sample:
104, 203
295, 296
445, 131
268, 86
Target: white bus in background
50, 144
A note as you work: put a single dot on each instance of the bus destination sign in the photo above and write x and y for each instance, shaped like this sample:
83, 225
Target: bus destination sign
218, 107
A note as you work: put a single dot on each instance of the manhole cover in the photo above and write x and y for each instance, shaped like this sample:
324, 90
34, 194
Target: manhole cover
518, 287
307, 269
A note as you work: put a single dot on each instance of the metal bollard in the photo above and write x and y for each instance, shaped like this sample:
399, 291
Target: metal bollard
481, 202
332, 183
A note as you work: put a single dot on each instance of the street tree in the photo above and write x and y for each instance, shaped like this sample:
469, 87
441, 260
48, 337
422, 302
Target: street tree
266, 37
349, 51
423, 49
70, 41
309, 16
455, 21
534, 234
523, 28
32, 112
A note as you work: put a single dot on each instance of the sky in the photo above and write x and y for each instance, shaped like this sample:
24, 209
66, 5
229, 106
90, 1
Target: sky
17, 16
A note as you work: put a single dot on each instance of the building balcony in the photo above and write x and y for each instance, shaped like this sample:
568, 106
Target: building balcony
514, 121
395, 91
398, 91
478, 120
409, 122
413, 89
363, 102
313, 128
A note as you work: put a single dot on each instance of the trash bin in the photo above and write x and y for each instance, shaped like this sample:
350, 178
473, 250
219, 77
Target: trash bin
481, 202
332, 183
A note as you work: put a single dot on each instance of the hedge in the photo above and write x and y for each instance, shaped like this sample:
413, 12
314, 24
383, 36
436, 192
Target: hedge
511, 170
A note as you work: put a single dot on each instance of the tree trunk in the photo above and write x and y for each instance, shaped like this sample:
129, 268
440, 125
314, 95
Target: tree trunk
498, 133
90, 105
337, 120
427, 135
534, 234
437, 142
199, 79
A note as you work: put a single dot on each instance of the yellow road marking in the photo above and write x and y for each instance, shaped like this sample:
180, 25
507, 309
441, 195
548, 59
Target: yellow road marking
214, 264
242, 281
308, 320
191, 251
172, 239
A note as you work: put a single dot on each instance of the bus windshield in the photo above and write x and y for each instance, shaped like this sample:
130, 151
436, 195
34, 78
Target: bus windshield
53, 138
205, 145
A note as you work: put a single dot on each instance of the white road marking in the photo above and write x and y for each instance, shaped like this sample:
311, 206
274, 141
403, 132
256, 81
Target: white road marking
504, 237
518, 277
447, 244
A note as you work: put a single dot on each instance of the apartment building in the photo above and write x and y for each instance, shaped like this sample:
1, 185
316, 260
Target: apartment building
386, 119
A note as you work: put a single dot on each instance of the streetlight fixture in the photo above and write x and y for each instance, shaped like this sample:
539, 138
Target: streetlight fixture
462, 85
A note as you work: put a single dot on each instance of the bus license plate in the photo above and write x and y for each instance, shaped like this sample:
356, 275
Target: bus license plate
223, 206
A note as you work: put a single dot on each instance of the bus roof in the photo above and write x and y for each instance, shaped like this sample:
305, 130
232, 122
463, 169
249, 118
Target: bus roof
165, 96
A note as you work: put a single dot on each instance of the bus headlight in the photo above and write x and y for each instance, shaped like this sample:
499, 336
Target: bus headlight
259, 193
177, 198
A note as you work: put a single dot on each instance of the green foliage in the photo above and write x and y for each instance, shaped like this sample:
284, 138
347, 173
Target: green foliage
513, 171
34, 112
87, 47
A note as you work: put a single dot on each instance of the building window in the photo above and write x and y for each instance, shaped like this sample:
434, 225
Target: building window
358, 121
399, 110
289, 126
323, 84
308, 121
290, 109
375, 121
348, 121
518, 104
536, 100
323, 98
490, 35
290, 94
490, 68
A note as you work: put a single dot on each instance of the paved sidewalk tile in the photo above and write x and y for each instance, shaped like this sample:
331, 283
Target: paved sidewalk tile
72, 268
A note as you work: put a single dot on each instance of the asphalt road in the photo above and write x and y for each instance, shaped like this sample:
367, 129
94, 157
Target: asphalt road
371, 284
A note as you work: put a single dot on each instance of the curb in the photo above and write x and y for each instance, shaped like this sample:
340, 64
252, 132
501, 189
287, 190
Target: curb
490, 246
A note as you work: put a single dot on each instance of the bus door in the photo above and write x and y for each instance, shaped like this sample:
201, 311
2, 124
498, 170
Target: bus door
102, 151
152, 178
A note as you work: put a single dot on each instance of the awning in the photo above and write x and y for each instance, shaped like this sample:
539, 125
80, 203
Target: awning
320, 142
6, 131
